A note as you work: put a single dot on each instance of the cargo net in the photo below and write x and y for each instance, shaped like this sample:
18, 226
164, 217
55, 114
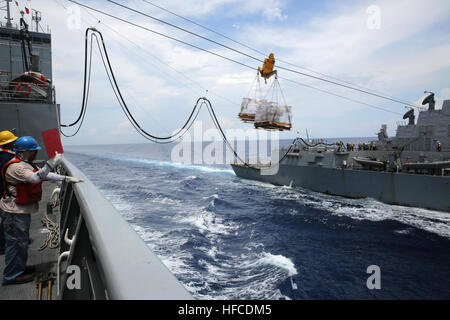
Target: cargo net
271, 114
266, 113
250, 103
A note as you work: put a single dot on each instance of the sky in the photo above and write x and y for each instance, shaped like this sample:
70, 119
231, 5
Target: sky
399, 48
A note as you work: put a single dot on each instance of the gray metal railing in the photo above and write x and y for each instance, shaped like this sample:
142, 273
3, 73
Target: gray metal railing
24, 91
115, 262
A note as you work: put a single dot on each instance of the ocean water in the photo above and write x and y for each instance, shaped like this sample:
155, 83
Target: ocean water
228, 238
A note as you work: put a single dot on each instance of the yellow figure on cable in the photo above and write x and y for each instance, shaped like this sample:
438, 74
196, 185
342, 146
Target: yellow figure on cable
267, 69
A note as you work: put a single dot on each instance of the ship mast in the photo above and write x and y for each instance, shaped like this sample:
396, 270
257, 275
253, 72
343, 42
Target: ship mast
36, 17
8, 15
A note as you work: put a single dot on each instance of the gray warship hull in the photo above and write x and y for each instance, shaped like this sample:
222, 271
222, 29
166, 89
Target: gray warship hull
425, 191
410, 169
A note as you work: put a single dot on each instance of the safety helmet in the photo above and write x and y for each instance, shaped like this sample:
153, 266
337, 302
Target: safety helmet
26, 143
7, 137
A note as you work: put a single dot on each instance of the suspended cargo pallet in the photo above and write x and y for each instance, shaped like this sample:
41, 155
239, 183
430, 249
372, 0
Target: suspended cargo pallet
271, 125
249, 105
246, 117
264, 114
248, 109
272, 116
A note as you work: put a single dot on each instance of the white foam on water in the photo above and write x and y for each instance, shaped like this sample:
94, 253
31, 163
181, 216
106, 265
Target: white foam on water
168, 250
257, 184
244, 276
369, 209
432, 221
179, 165
167, 200
147, 234
177, 263
208, 222
403, 231
240, 279
214, 196
212, 252
279, 261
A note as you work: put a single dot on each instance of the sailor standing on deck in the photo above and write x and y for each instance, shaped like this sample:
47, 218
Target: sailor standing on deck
22, 181
7, 139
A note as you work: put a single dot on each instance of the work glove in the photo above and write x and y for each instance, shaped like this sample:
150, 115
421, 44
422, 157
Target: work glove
56, 160
73, 179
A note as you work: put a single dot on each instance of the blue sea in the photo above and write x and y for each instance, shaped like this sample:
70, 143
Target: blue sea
228, 238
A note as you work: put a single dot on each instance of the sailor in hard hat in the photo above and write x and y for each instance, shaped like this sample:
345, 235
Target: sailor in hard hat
438, 146
23, 182
7, 140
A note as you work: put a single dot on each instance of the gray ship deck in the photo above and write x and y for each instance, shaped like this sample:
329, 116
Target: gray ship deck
44, 260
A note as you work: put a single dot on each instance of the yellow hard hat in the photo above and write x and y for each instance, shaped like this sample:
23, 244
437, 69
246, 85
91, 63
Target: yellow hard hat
7, 137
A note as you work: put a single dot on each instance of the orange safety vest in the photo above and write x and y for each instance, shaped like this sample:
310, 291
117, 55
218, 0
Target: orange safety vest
26, 192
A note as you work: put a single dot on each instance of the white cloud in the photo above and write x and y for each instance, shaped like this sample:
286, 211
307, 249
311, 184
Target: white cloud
274, 13
270, 9
123, 128
234, 79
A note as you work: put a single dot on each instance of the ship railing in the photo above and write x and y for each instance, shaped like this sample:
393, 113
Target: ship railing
16, 26
112, 261
8, 91
421, 109
13, 25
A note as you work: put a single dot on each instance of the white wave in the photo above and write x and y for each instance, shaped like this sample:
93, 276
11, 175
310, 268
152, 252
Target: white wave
255, 183
239, 276
167, 200
369, 209
432, 221
147, 234
212, 252
240, 279
214, 196
403, 231
278, 261
208, 222
179, 165
177, 263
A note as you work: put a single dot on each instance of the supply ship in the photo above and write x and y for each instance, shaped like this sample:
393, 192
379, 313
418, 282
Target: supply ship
77, 237
410, 169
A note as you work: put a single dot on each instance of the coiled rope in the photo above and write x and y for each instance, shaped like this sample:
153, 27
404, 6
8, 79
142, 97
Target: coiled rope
52, 239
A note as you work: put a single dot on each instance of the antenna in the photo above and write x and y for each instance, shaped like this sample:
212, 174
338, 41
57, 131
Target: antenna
36, 16
430, 100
